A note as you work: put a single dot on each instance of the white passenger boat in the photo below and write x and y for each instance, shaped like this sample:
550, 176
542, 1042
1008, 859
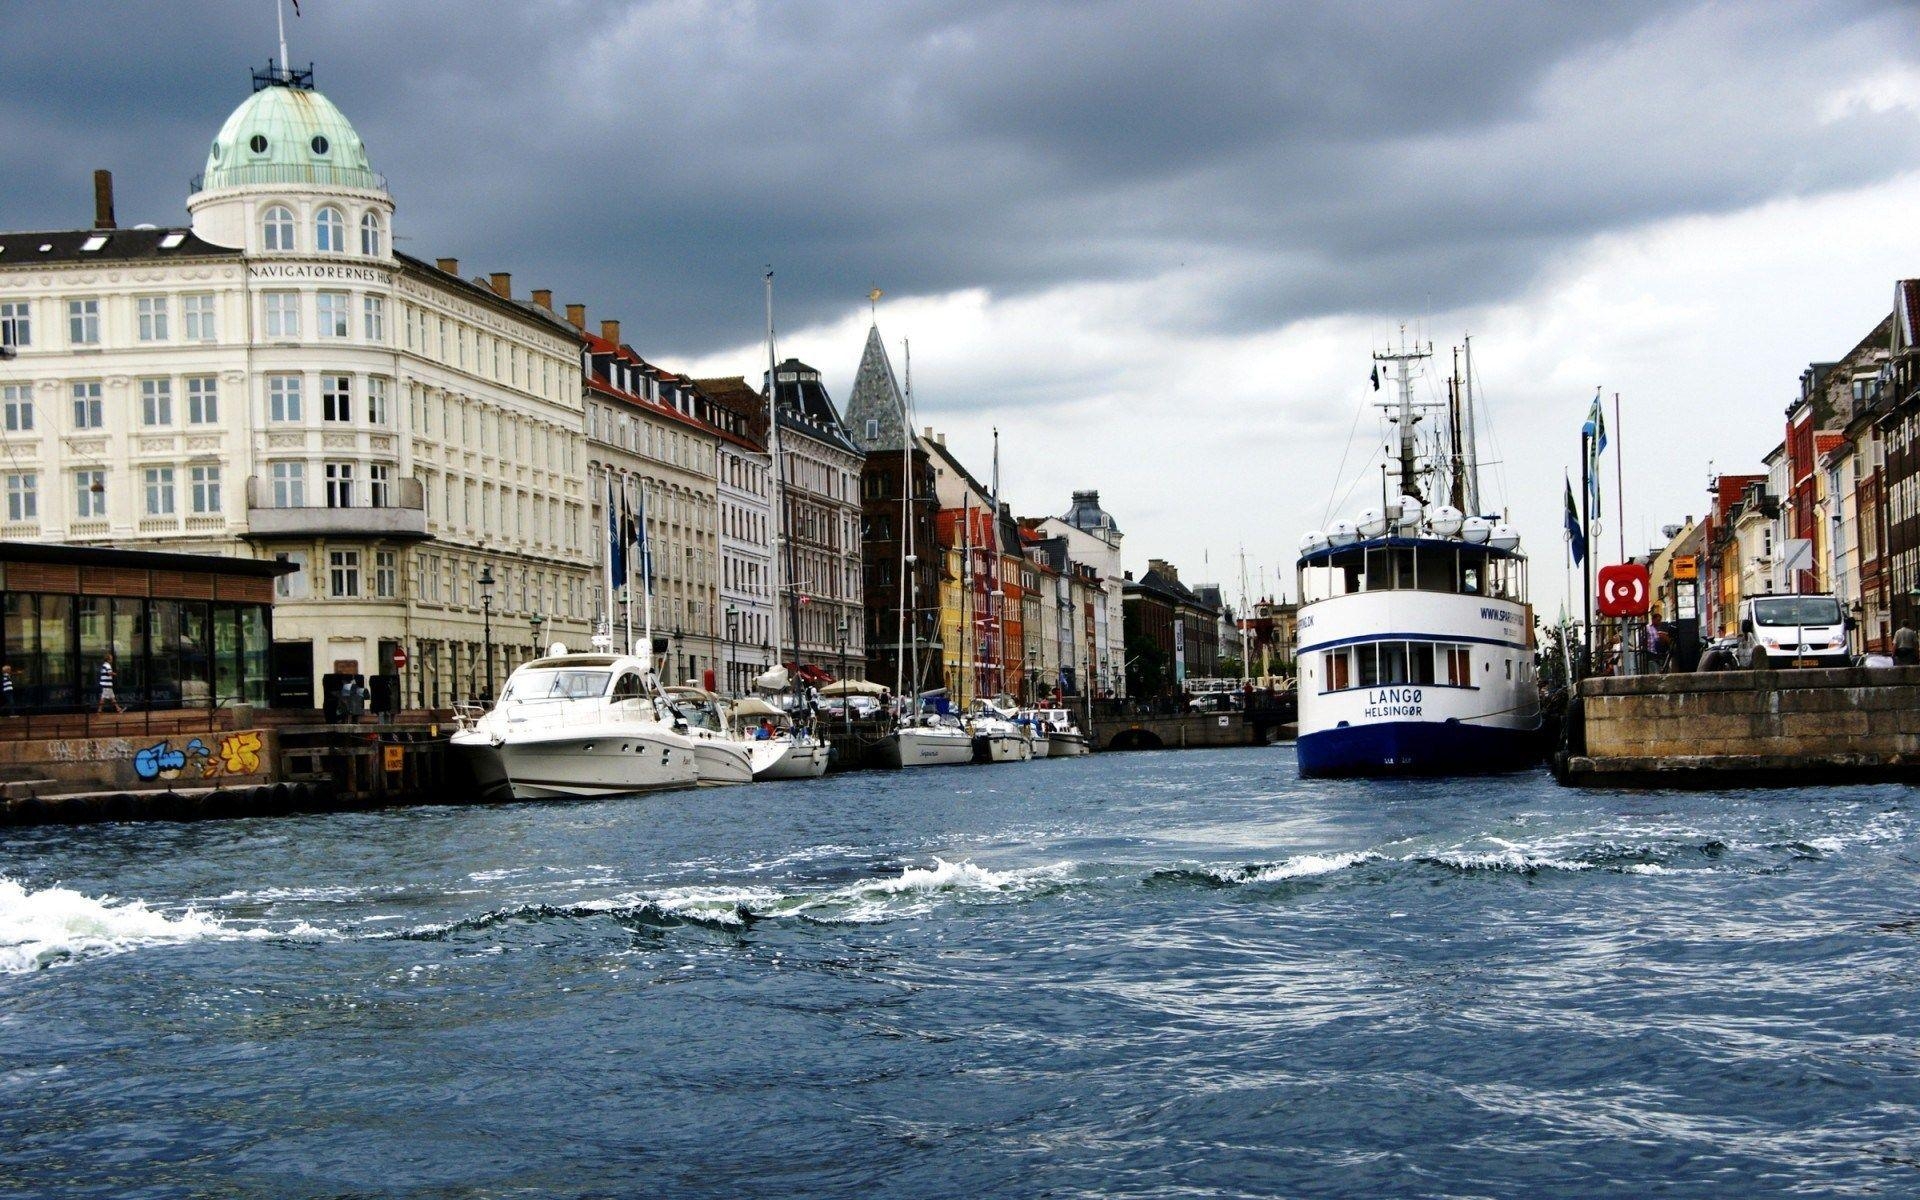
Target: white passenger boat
1416, 641
576, 725
778, 748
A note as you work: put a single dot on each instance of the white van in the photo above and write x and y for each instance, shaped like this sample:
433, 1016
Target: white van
1793, 631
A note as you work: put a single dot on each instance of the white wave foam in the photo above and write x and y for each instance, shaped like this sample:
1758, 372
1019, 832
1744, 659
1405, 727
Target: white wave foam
1501, 860
1302, 866
41, 928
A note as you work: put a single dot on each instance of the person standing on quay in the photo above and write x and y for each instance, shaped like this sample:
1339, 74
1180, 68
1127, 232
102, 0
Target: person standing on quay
6, 688
106, 686
1906, 646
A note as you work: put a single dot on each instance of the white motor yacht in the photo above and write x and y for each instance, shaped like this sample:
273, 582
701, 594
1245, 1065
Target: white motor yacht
777, 747
722, 757
577, 725
996, 736
1062, 737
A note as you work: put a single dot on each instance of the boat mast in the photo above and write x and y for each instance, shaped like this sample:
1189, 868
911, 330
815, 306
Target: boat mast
906, 537
1456, 462
966, 591
1402, 361
780, 543
1473, 456
995, 595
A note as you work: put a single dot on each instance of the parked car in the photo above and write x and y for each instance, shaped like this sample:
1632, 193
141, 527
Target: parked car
1793, 631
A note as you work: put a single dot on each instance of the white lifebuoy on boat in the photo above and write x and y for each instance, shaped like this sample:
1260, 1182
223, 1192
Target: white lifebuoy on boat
1410, 511
1341, 533
1371, 522
1317, 540
1445, 520
1476, 530
1504, 537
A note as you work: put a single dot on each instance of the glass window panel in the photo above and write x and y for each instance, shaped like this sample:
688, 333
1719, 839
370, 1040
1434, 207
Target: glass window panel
226, 654
1367, 664
57, 670
253, 647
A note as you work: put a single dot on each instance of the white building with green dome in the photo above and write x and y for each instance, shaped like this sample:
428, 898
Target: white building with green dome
276, 381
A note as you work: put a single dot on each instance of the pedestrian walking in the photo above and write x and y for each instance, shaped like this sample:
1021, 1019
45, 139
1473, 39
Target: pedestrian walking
6, 688
107, 695
1906, 646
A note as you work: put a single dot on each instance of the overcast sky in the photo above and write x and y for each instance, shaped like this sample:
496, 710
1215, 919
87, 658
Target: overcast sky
1153, 243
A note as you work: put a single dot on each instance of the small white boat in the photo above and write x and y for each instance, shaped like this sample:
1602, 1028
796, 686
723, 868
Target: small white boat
996, 737
777, 747
722, 757
576, 725
1062, 737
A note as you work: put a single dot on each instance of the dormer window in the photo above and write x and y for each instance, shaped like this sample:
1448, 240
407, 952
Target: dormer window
330, 231
94, 242
257, 143
320, 146
277, 228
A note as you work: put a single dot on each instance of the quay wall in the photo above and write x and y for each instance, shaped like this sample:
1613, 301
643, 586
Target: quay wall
1768, 727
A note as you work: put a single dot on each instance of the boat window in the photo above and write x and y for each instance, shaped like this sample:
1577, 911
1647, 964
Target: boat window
1339, 670
1434, 571
1470, 581
630, 687
556, 685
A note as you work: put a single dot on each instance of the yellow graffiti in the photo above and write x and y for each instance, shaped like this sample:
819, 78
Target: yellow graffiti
240, 753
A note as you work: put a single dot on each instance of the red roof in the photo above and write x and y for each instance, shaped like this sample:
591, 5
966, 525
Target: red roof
599, 345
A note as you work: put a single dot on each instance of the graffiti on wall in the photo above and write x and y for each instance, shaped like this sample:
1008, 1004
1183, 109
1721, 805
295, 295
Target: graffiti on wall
237, 754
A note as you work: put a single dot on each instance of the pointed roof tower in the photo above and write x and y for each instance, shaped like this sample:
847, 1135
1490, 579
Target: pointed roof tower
875, 411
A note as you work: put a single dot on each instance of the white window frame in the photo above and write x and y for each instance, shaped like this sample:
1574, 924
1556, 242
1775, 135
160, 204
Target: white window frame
150, 315
88, 411
339, 476
373, 235
158, 482
87, 503
203, 484
379, 485
336, 398
203, 400
16, 407
197, 323
376, 400
386, 575
329, 231
16, 323
282, 314
343, 574
23, 496
284, 398
373, 319
156, 402
333, 314
83, 321
289, 484
277, 228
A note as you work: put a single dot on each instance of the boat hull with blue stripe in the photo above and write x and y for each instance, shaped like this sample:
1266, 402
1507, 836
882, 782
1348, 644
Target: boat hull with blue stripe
1415, 657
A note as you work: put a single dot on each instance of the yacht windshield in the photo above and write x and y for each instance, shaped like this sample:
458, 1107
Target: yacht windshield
560, 684
1797, 610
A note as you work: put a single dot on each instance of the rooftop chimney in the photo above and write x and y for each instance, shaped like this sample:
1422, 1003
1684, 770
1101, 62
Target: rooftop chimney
502, 284
103, 200
577, 315
450, 265
1164, 567
543, 298
610, 330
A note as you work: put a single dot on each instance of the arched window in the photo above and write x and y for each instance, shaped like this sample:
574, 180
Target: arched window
373, 236
278, 224
330, 231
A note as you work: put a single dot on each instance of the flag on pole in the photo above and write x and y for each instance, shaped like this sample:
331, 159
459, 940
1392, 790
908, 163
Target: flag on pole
643, 543
1376, 377
1595, 430
616, 547
1576, 537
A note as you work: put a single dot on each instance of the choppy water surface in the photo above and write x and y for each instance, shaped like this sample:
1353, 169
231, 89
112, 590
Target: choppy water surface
1151, 974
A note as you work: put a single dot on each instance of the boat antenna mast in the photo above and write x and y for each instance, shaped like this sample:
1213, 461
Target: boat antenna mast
1404, 415
780, 541
1466, 425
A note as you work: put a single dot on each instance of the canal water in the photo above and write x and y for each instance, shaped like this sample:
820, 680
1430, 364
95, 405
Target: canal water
1148, 974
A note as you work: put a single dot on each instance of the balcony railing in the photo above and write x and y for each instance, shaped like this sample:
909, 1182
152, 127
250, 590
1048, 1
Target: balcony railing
294, 173
404, 516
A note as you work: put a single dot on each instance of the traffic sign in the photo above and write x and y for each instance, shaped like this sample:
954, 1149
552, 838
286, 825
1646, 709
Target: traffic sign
1624, 590
399, 658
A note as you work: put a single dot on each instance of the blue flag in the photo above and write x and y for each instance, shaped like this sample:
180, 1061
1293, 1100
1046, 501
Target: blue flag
643, 543
1576, 537
616, 545
1595, 428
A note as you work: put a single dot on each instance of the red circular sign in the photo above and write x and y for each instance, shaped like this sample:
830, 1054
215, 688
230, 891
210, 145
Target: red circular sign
400, 658
1625, 590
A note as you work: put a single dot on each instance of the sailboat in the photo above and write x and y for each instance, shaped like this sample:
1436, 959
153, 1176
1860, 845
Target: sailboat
918, 739
1416, 643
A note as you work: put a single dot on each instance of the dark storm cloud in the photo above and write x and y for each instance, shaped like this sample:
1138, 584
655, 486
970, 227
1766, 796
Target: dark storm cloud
1283, 161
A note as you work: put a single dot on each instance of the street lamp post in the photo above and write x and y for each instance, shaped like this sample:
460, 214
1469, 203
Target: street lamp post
677, 654
1033, 678
846, 698
733, 668
536, 620
486, 615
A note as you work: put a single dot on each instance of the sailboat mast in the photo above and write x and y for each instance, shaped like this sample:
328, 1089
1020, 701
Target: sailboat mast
1472, 451
966, 591
906, 536
780, 580
1456, 461
994, 597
